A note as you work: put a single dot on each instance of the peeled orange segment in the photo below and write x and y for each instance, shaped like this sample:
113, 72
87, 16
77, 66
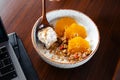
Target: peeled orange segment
78, 44
63, 23
75, 30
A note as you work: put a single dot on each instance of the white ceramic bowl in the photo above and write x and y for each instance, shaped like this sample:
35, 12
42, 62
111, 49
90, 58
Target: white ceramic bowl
92, 36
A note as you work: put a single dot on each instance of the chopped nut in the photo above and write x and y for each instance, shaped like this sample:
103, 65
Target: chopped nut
64, 51
65, 46
83, 55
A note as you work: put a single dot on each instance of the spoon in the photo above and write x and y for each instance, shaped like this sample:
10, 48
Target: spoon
43, 22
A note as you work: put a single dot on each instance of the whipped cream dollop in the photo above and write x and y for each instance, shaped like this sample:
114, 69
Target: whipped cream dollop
47, 36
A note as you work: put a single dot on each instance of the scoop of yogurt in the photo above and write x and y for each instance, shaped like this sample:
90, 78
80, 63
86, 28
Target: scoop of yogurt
47, 36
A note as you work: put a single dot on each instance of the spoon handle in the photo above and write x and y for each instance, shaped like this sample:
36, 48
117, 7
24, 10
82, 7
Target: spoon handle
44, 12
43, 7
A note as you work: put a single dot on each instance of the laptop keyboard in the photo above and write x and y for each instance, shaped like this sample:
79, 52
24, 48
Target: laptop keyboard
7, 70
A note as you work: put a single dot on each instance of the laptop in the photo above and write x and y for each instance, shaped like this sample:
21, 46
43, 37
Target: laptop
10, 68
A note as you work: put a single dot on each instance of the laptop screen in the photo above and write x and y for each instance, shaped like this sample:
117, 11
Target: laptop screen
3, 34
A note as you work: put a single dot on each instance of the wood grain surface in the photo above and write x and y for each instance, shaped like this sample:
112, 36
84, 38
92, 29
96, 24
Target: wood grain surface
20, 15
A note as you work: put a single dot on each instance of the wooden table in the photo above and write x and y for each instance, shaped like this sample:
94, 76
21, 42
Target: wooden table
20, 15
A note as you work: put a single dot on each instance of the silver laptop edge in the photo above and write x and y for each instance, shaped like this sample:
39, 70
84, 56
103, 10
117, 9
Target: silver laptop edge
20, 74
5, 42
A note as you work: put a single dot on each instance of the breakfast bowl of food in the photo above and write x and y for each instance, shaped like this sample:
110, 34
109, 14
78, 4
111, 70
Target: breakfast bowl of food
71, 42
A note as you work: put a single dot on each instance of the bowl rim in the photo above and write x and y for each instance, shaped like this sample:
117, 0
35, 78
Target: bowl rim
42, 55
